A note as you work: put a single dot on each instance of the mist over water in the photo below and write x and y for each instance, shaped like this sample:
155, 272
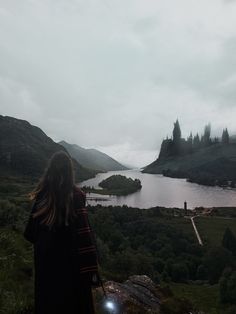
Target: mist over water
158, 190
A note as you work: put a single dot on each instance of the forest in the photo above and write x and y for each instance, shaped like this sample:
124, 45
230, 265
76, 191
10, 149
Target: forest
154, 242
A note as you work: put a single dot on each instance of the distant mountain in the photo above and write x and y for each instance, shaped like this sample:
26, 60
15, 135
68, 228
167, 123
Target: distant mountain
92, 158
25, 150
215, 162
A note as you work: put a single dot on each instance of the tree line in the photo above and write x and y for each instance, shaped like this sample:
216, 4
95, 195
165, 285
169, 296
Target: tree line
177, 145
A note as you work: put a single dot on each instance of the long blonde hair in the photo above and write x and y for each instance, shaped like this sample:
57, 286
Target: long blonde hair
54, 192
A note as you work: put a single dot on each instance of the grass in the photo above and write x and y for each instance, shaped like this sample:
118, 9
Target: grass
225, 211
203, 297
16, 273
212, 229
16, 254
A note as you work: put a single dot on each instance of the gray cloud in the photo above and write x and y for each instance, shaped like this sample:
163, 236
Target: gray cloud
116, 74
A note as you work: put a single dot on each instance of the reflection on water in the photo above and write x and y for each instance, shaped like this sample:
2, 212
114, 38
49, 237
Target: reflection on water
163, 191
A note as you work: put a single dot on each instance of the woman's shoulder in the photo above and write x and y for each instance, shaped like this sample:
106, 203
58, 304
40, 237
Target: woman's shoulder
79, 197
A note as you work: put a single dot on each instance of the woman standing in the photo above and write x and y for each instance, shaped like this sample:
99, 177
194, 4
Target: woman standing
65, 256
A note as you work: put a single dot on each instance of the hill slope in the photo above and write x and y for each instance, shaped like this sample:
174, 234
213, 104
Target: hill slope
25, 150
92, 158
218, 161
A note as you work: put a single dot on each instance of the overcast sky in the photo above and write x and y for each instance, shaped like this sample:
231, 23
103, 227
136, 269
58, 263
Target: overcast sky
115, 74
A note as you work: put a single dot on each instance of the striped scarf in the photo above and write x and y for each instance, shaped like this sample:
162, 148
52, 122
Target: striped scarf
85, 244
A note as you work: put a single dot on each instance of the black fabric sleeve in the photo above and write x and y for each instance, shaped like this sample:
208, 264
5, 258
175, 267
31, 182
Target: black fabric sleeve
30, 232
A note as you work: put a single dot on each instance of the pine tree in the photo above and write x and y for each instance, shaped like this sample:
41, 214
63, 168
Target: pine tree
190, 143
176, 132
190, 138
196, 141
176, 138
216, 140
207, 134
225, 137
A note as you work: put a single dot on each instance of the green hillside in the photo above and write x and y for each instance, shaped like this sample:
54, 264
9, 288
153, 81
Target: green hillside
25, 150
92, 158
212, 228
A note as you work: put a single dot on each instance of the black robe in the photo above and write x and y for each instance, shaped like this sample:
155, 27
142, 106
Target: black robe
59, 288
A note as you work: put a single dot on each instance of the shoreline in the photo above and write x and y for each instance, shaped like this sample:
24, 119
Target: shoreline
227, 212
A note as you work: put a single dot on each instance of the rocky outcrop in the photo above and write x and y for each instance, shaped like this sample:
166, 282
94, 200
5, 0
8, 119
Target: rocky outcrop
138, 294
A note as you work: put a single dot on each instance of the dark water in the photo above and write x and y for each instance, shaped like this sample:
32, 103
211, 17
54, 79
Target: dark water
163, 191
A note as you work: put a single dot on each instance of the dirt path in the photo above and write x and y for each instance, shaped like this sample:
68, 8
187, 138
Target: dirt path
196, 231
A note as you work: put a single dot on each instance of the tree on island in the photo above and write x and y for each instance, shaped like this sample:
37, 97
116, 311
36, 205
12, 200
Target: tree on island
225, 137
120, 185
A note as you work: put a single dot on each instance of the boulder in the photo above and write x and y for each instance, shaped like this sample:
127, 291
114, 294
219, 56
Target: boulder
138, 294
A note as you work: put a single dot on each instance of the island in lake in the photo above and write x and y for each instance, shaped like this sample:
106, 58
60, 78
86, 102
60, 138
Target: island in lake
116, 185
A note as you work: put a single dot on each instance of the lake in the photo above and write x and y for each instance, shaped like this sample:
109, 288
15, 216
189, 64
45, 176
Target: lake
158, 190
